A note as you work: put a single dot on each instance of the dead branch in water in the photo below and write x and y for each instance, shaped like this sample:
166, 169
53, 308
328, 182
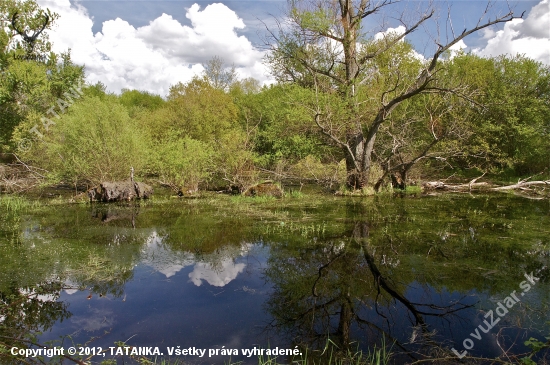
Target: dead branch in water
523, 185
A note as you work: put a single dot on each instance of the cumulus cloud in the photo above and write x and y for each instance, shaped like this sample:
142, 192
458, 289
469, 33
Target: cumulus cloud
390, 31
397, 32
221, 275
529, 36
537, 24
158, 55
161, 258
457, 48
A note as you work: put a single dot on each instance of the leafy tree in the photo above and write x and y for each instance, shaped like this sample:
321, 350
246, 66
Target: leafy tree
197, 138
511, 127
183, 163
281, 128
324, 49
200, 111
30, 84
246, 86
135, 100
94, 141
26, 23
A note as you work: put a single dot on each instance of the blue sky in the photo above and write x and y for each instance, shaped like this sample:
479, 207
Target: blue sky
150, 45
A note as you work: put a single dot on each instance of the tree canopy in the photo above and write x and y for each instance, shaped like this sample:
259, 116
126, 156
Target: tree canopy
359, 82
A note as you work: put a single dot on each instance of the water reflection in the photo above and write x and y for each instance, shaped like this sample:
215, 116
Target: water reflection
353, 273
335, 290
217, 268
223, 274
354, 289
161, 258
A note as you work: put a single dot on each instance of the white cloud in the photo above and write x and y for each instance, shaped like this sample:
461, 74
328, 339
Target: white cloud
158, 55
161, 258
529, 36
398, 31
537, 24
220, 275
391, 31
457, 47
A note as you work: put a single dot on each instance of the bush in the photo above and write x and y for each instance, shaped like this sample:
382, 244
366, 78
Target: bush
94, 141
183, 163
328, 174
234, 161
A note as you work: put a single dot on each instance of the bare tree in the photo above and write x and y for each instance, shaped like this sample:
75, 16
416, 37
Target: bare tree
219, 74
324, 48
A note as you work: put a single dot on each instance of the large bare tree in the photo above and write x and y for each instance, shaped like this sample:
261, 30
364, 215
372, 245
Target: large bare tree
324, 47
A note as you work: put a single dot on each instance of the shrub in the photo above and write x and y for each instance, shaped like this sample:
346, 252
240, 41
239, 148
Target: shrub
94, 141
184, 163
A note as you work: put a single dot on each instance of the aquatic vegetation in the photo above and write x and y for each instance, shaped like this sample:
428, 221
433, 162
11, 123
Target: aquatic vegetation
293, 262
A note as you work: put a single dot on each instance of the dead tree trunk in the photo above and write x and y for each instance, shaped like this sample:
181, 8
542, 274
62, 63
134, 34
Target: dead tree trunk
120, 191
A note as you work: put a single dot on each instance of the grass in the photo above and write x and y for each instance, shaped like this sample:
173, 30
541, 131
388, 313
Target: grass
15, 204
253, 199
295, 194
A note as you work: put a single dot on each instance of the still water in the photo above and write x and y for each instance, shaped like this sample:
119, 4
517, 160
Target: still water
416, 275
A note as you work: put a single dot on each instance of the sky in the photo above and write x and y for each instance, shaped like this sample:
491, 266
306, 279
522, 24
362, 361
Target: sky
151, 45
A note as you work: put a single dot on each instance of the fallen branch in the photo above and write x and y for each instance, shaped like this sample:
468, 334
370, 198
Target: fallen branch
439, 185
522, 185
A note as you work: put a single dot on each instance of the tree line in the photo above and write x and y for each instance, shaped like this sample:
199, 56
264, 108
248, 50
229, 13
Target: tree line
347, 111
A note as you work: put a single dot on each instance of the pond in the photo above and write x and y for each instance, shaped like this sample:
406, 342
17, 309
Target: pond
412, 278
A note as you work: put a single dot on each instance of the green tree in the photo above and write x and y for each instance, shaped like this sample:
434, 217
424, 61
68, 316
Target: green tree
94, 141
30, 84
281, 128
324, 48
183, 163
511, 126
200, 111
197, 138
26, 23
135, 100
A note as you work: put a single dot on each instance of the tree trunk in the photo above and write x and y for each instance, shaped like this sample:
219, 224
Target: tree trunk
344, 324
356, 165
398, 179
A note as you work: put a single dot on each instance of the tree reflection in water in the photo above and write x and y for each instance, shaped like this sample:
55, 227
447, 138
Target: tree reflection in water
24, 312
332, 291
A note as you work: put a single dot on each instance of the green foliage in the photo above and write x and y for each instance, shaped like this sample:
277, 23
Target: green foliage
94, 141
536, 346
233, 161
29, 18
311, 168
135, 100
199, 111
509, 127
28, 90
283, 129
98, 90
318, 20
197, 138
496, 118
183, 163
29, 83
